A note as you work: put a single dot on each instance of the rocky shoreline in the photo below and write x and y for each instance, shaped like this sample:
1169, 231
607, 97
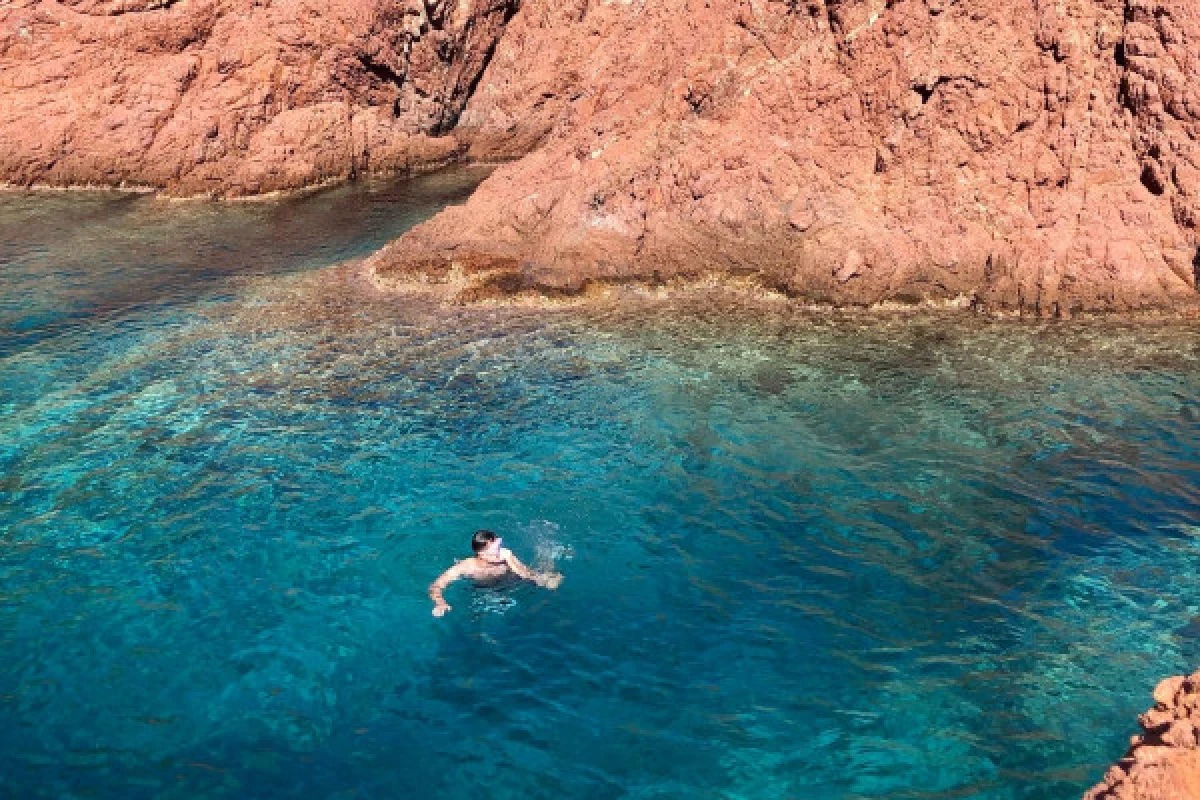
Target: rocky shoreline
1163, 762
484, 281
845, 153
1012, 158
1035, 158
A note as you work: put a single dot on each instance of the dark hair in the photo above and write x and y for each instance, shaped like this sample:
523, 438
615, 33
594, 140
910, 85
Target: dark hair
481, 540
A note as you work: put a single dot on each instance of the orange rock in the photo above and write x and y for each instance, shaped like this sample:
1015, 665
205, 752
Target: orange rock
847, 151
230, 98
1167, 690
1018, 155
1163, 763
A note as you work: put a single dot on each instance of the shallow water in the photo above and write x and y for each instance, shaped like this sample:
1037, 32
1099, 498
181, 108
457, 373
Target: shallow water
805, 556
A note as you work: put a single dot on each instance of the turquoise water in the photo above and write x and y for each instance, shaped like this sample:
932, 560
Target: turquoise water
806, 556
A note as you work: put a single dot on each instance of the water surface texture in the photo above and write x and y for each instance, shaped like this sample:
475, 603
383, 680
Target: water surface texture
806, 556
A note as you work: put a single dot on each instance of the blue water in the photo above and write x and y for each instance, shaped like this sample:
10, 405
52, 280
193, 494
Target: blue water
806, 556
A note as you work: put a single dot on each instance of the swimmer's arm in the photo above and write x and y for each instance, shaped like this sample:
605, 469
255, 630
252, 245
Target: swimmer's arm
549, 580
440, 606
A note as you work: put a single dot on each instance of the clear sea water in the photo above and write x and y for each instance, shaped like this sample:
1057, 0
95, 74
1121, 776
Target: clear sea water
806, 555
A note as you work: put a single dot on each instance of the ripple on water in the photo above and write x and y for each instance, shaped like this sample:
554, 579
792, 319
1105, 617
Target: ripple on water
806, 555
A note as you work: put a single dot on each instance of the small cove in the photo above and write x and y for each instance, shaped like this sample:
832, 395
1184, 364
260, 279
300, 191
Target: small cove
806, 555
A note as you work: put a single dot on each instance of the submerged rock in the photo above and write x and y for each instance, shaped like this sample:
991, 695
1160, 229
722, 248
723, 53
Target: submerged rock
1163, 763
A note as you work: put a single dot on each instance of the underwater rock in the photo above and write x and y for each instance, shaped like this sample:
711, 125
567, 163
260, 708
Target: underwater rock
1163, 763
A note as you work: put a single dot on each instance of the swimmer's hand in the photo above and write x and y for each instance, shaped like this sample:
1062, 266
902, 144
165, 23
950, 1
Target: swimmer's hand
440, 609
548, 580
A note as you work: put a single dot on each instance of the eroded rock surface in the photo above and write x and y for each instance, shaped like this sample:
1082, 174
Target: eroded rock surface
231, 97
1032, 155
1027, 154
1163, 763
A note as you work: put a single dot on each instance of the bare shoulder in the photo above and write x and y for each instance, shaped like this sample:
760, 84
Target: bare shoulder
456, 570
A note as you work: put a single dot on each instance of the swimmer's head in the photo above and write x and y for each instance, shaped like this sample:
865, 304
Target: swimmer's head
485, 540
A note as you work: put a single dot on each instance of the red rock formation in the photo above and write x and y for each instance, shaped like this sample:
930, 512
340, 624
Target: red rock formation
1014, 154
1024, 154
1164, 762
231, 97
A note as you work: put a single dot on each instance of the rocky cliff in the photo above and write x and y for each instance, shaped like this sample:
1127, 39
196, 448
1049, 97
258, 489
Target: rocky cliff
1025, 154
231, 97
1163, 763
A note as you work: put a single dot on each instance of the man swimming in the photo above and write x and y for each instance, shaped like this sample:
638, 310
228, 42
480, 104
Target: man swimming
491, 565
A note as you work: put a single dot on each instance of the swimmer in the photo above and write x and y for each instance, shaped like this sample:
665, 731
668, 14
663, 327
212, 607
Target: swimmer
491, 565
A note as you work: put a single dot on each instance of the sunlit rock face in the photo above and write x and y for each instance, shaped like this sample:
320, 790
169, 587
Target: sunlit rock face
1019, 155
1163, 763
232, 98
